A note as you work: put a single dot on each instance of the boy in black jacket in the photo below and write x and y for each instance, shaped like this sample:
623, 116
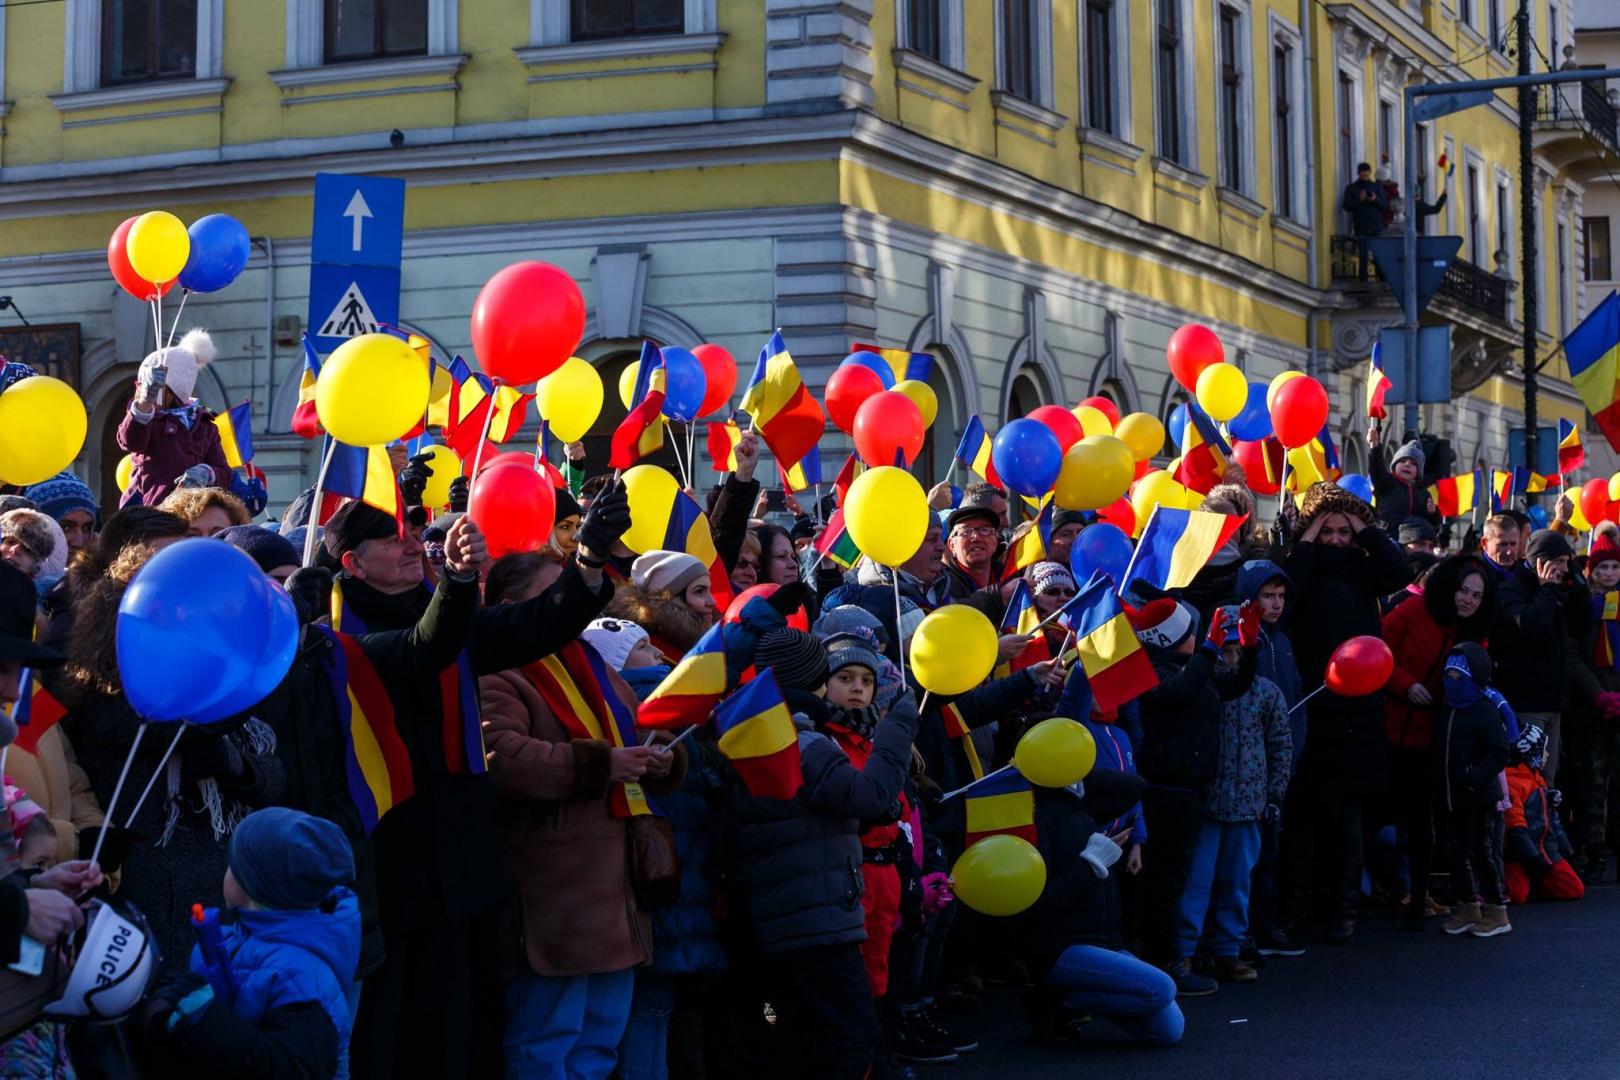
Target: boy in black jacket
1476, 751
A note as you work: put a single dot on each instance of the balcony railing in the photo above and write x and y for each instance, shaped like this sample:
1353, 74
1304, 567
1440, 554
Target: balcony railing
1584, 103
1465, 283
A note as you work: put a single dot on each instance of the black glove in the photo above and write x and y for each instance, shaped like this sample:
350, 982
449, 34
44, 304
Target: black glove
311, 590
209, 757
113, 849
605, 522
413, 481
787, 600
460, 491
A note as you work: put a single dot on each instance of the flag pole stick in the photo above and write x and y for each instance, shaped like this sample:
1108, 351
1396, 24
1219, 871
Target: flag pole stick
180, 729
123, 774
899, 639
315, 506
815, 509
976, 783
673, 743
483, 437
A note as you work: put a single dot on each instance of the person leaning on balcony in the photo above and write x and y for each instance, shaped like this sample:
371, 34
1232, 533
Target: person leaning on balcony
1364, 201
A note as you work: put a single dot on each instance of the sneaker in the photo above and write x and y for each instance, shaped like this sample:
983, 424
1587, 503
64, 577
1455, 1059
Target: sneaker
1431, 906
1189, 984
1280, 943
1493, 921
1340, 932
919, 1047
942, 1032
1233, 969
1250, 955
1467, 917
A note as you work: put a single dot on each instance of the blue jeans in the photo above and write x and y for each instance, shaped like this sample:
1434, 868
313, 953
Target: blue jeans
644, 1054
1137, 996
566, 1028
1218, 886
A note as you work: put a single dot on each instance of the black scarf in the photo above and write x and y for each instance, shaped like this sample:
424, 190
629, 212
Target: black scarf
379, 611
862, 722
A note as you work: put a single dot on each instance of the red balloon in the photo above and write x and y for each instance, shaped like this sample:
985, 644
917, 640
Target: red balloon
1595, 500
721, 370
1252, 456
1299, 411
888, 425
1060, 422
1105, 406
1120, 514
847, 390
799, 620
1193, 348
1360, 666
514, 506
527, 320
124, 274
1142, 469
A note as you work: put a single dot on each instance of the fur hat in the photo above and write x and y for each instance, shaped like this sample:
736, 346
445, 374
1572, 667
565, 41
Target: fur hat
1164, 623
195, 352
1323, 498
666, 571
40, 535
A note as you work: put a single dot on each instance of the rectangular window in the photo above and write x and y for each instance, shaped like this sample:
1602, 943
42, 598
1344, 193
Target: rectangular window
1171, 142
1476, 236
1552, 35
363, 29
923, 28
1100, 66
1347, 126
1504, 224
1498, 39
1231, 37
1386, 132
145, 40
1018, 48
1282, 91
1465, 12
1598, 265
594, 19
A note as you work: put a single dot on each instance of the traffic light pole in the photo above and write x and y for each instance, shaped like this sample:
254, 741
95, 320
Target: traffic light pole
1529, 280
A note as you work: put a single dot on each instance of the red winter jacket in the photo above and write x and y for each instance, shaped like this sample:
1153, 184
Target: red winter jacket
164, 449
1420, 644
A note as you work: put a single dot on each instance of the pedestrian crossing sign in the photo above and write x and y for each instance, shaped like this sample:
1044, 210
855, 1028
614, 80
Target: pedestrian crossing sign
351, 317
347, 301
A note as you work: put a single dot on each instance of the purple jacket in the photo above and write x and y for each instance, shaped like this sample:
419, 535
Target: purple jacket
164, 449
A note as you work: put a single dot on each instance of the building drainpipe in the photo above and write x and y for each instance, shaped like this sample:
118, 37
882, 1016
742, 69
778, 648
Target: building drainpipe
1313, 276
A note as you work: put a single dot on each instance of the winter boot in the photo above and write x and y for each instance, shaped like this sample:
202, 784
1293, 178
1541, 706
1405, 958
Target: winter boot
1233, 969
1468, 916
1493, 921
1188, 982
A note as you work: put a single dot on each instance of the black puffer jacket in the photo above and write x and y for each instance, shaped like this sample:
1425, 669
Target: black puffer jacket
1531, 639
1181, 717
1475, 741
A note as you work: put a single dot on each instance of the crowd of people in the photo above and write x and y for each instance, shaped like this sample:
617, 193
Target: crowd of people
535, 898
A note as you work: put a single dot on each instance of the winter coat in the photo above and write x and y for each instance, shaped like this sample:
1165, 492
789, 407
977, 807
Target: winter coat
1535, 837
1366, 217
164, 449
728, 518
686, 940
568, 856
1215, 584
798, 860
672, 626
1475, 750
1114, 751
1420, 633
1182, 716
1275, 659
1531, 639
1257, 756
1398, 500
52, 778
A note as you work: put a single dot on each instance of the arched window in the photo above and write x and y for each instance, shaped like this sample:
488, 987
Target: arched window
939, 446
1028, 393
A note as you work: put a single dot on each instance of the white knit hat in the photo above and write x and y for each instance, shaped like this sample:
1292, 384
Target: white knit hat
184, 361
614, 639
666, 571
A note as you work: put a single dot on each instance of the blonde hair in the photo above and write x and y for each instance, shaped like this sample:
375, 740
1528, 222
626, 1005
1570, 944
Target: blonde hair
192, 503
750, 546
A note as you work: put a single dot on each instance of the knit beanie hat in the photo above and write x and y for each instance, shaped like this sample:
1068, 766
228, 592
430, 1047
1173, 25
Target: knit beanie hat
1530, 749
1416, 530
9, 503
1544, 544
1604, 549
13, 371
270, 550
1164, 623
567, 506
61, 495
1412, 450
847, 650
1047, 576
184, 361
33, 530
1062, 517
287, 860
799, 660
848, 618
666, 571
911, 617
614, 639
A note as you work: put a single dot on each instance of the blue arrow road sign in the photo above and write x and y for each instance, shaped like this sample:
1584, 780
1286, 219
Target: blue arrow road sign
359, 220
347, 301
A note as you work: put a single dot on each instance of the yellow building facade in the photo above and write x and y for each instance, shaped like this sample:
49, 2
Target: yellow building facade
1038, 191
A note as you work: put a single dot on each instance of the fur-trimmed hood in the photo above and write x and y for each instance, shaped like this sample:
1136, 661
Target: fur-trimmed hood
668, 621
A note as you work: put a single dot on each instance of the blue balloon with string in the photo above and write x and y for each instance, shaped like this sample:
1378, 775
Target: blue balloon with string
219, 250
1254, 421
685, 384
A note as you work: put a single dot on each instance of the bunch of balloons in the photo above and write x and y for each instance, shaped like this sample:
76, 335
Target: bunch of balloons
150, 252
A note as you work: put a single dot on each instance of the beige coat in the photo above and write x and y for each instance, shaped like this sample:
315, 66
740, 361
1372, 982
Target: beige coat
52, 778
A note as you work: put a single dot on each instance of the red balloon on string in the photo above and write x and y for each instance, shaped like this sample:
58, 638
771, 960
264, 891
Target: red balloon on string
1251, 455
1595, 504
527, 320
1192, 349
1105, 406
1060, 422
721, 370
124, 274
1142, 469
1360, 666
888, 429
514, 506
847, 390
799, 620
1119, 514
1298, 411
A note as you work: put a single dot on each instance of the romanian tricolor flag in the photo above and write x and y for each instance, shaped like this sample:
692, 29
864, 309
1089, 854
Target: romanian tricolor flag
1607, 610
836, 543
757, 736
364, 473
688, 531
642, 430
1003, 802
691, 691
1176, 544
575, 685
901, 364
376, 764
1117, 667
1456, 496
803, 476
1204, 453
1030, 548
1022, 617
724, 435
1593, 352
784, 413
472, 396
305, 422
1378, 384
956, 727
236, 434
1571, 454
974, 451
36, 711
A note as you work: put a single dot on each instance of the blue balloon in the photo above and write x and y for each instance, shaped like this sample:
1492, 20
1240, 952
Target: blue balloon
685, 384
876, 363
1537, 516
192, 626
1358, 485
1254, 422
219, 250
1104, 547
1176, 427
271, 668
1027, 457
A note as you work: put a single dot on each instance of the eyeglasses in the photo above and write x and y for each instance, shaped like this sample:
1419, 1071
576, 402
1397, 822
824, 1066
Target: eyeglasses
1060, 591
970, 531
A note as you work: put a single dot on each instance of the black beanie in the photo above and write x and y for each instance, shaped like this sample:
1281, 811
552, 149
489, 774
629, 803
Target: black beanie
1546, 544
799, 660
354, 523
567, 505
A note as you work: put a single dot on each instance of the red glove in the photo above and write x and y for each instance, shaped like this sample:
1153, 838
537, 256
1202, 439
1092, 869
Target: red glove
1609, 702
1249, 624
1217, 629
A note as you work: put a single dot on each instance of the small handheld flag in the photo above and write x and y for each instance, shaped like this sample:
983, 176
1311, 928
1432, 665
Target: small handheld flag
1571, 454
642, 430
1116, 665
1176, 544
1378, 384
305, 423
786, 416
236, 434
758, 737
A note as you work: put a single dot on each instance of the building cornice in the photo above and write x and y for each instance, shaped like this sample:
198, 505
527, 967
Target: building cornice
139, 94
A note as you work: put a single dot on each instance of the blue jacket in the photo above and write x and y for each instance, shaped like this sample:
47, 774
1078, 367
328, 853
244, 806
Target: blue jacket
1114, 752
685, 938
1275, 657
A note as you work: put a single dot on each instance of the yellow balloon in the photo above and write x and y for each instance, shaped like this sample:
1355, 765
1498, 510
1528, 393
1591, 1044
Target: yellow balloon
446, 466
1222, 391
371, 390
954, 650
627, 381
1577, 520
1093, 421
1096, 471
1614, 486
651, 492
570, 398
1143, 433
922, 395
887, 514
999, 875
1056, 752
42, 426
158, 246
126, 466
1277, 384
1156, 488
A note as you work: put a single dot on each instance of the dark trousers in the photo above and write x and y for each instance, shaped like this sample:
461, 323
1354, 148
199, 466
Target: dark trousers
1264, 902
1412, 778
1321, 857
1594, 758
1476, 855
825, 1018
1173, 819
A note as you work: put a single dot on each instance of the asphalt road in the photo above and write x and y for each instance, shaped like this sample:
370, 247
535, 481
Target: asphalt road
1543, 1001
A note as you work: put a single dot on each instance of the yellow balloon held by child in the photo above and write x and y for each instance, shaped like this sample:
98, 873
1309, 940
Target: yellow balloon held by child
42, 426
953, 650
999, 875
158, 246
570, 398
1056, 752
371, 390
887, 514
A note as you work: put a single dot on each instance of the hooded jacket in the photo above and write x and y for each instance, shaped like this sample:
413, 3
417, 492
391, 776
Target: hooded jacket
1535, 837
1421, 633
1275, 659
1476, 744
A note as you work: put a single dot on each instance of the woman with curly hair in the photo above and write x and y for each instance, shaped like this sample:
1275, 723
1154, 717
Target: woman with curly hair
208, 511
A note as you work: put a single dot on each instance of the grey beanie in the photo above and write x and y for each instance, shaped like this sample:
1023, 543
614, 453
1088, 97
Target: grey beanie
847, 619
850, 651
1413, 450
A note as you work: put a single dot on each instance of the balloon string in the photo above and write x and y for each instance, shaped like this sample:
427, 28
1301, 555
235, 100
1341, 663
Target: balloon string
185, 294
157, 318
123, 774
310, 524
1300, 704
922, 707
899, 638
180, 729
483, 438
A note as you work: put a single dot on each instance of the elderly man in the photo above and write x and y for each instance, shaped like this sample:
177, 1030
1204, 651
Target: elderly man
972, 535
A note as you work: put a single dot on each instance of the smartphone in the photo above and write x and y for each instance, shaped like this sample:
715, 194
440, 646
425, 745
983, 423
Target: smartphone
776, 501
